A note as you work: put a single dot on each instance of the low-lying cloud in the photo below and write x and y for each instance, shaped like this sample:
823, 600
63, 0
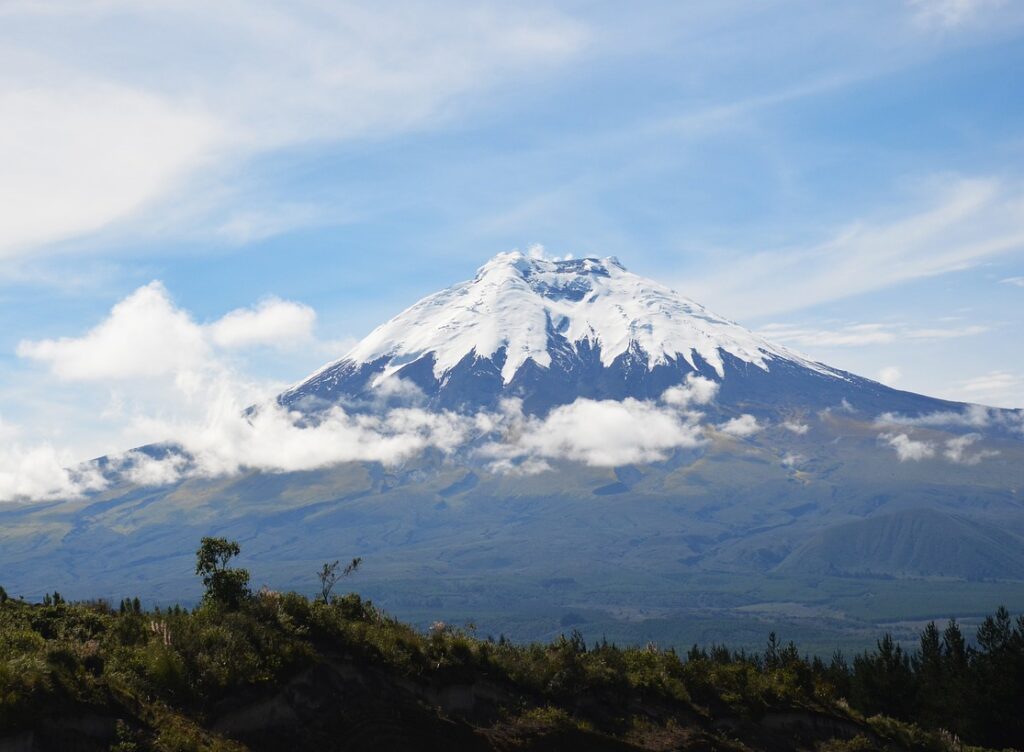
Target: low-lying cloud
231, 440
602, 433
958, 450
741, 427
972, 416
907, 449
961, 450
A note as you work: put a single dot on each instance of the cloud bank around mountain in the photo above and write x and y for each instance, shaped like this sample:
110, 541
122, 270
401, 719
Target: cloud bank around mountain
174, 379
229, 439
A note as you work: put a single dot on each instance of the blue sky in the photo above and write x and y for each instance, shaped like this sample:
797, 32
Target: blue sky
846, 177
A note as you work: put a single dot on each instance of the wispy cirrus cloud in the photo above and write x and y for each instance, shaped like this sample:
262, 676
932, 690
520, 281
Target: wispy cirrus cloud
191, 91
864, 334
948, 14
962, 222
1001, 388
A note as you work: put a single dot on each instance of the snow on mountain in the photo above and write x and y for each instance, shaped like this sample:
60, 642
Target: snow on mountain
517, 302
549, 332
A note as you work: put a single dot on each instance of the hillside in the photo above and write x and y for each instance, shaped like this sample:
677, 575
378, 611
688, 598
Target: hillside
277, 671
912, 543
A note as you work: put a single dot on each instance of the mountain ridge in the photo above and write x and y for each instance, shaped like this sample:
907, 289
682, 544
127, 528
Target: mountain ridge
552, 331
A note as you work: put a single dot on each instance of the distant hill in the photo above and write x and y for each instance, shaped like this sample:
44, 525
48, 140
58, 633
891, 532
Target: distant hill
912, 543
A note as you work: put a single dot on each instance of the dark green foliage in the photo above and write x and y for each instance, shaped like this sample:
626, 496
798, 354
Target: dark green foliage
225, 586
3, 596
162, 672
883, 680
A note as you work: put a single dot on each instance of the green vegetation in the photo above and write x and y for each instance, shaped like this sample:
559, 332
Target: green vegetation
225, 586
271, 670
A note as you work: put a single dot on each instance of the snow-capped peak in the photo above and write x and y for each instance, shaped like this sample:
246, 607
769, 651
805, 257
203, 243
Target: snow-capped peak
520, 302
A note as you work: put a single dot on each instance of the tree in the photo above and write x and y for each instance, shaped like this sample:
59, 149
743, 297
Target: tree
3, 596
329, 576
225, 586
771, 653
933, 691
998, 668
883, 680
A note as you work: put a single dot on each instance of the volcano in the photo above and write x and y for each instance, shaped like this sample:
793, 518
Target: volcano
772, 492
550, 332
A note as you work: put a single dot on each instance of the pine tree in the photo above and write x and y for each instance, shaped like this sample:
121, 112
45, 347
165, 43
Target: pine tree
932, 695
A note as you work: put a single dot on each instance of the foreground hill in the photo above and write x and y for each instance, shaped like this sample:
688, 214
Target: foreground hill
279, 672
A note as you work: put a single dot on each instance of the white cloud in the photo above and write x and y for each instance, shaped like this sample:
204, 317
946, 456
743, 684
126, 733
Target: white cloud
890, 375
596, 432
272, 322
144, 470
1018, 281
184, 93
972, 416
275, 440
791, 459
1000, 388
861, 335
853, 335
41, 473
907, 449
796, 427
230, 441
394, 387
968, 220
947, 332
741, 427
947, 14
147, 336
270, 439
956, 450
250, 225
695, 390
538, 251
79, 155
520, 466
976, 416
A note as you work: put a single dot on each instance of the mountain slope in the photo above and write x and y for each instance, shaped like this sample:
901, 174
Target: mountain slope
915, 543
550, 332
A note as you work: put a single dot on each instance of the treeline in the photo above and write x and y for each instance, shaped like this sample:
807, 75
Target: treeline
974, 691
164, 671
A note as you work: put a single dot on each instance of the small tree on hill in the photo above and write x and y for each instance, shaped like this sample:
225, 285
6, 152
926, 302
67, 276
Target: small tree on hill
225, 586
329, 576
